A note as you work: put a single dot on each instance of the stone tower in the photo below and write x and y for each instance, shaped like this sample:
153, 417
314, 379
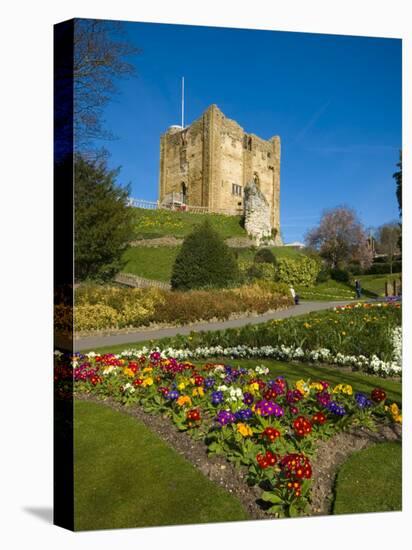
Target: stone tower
209, 163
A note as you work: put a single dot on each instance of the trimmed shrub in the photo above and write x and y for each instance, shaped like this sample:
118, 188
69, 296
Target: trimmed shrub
340, 275
204, 261
263, 271
265, 256
298, 271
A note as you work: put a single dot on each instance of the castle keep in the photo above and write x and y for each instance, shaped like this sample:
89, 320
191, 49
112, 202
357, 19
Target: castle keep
209, 163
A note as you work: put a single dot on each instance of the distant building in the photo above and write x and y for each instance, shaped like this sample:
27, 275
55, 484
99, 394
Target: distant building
209, 163
296, 244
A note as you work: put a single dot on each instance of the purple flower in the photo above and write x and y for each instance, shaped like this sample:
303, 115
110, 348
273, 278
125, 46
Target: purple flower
225, 417
172, 395
293, 396
217, 397
244, 414
247, 398
323, 398
337, 409
209, 382
268, 408
362, 400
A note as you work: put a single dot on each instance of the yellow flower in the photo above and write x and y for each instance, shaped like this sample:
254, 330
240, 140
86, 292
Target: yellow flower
316, 386
147, 369
181, 386
184, 400
306, 325
253, 388
147, 381
244, 430
396, 414
302, 386
343, 333
128, 372
343, 388
198, 391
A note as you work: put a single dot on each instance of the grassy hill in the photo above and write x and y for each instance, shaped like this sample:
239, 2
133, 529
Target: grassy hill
151, 224
157, 262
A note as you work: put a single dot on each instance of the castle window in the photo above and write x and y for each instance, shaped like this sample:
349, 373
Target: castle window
269, 155
236, 190
249, 143
244, 142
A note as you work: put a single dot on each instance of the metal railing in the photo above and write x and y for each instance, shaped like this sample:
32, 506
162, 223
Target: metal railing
136, 281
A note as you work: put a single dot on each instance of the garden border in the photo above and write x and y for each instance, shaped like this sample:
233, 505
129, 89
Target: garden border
330, 456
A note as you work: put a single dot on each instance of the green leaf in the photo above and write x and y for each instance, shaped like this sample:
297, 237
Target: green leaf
271, 497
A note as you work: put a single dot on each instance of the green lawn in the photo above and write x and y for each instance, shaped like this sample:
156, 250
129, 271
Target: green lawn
157, 262
152, 263
370, 481
150, 224
125, 476
278, 251
376, 283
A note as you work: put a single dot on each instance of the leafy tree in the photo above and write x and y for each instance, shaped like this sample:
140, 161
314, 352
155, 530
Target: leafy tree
204, 261
398, 179
103, 220
340, 238
387, 241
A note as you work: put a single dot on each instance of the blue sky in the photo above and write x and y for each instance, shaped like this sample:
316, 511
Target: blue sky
335, 101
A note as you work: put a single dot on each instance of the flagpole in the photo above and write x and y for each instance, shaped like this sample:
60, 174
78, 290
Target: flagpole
183, 101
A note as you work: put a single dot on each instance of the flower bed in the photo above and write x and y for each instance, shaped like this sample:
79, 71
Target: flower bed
363, 336
262, 424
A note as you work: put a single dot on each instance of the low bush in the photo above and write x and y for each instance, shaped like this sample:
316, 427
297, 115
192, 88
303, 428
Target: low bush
340, 275
104, 307
266, 256
384, 268
323, 275
300, 271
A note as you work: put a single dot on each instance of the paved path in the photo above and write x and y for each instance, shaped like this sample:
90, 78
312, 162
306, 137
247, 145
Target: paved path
91, 342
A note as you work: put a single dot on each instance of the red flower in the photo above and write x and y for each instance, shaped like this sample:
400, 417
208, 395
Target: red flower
271, 434
193, 415
378, 395
137, 382
296, 466
302, 426
270, 394
133, 366
319, 418
199, 380
267, 459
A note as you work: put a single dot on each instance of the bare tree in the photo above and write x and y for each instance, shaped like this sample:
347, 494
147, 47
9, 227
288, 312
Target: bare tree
340, 238
388, 241
101, 53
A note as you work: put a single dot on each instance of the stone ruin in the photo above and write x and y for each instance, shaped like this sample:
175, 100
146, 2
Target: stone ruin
257, 215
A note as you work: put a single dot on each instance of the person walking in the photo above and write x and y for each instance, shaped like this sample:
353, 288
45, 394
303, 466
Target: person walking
358, 288
294, 296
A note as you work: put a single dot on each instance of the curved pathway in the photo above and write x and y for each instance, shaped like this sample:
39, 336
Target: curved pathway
91, 342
